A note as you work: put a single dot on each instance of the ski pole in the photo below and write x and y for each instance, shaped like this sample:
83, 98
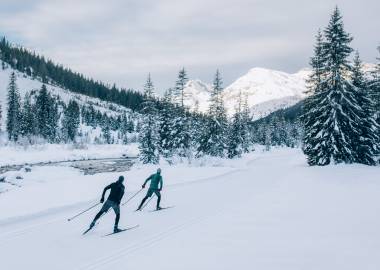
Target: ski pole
84, 211
147, 203
132, 197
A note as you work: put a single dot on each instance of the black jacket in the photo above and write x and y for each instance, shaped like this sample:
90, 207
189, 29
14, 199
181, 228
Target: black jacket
117, 192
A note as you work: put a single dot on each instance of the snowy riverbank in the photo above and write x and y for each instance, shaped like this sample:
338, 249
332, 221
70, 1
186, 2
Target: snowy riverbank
15, 155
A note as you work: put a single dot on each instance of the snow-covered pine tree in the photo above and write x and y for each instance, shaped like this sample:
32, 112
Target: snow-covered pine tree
310, 104
14, 109
180, 87
368, 141
124, 128
181, 132
47, 115
336, 111
236, 130
198, 122
181, 122
71, 120
53, 120
106, 134
131, 125
375, 90
149, 137
268, 136
213, 139
42, 109
89, 116
28, 123
279, 135
167, 125
246, 120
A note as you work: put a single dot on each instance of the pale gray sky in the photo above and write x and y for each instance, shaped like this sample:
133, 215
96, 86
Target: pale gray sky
121, 40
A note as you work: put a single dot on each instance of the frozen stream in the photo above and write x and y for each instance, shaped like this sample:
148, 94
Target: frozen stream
91, 166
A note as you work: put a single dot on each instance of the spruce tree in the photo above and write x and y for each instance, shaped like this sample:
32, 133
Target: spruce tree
13, 110
106, 133
335, 107
235, 138
28, 123
180, 87
181, 132
53, 120
149, 138
124, 128
47, 115
314, 85
246, 120
181, 122
213, 140
71, 120
367, 144
375, 90
167, 125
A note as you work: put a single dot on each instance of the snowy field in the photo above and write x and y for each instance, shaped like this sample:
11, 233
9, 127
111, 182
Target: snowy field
265, 211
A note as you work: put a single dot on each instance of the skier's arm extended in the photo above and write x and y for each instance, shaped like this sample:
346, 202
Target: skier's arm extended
104, 192
146, 181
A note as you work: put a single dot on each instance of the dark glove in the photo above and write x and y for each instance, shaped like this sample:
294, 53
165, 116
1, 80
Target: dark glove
102, 200
143, 186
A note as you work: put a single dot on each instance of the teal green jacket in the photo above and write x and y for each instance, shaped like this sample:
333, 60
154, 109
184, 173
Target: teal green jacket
155, 181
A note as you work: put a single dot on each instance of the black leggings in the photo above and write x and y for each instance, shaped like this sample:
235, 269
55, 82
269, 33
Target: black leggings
98, 215
148, 195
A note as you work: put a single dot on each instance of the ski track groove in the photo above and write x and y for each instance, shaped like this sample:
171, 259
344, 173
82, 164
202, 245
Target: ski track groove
150, 241
17, 233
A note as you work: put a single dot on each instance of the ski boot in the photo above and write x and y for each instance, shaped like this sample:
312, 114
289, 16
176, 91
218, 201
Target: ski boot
116, 230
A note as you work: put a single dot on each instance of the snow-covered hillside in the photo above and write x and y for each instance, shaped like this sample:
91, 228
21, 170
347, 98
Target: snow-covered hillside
26, 84
266, 211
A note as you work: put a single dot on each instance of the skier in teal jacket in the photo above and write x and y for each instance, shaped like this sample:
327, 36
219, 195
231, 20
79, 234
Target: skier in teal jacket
155, 187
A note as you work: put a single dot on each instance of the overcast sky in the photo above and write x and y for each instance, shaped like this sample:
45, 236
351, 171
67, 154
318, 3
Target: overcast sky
121, 41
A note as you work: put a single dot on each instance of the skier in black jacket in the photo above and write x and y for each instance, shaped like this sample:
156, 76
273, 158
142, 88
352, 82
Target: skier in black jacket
117, 192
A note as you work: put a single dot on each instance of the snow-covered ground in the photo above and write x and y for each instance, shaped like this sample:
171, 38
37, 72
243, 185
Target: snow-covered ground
268, 210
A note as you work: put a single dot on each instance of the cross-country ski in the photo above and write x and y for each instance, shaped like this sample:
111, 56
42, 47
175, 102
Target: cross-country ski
161, 208
122, 230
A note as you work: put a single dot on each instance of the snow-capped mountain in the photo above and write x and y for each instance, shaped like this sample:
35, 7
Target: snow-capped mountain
267, 91
197, 95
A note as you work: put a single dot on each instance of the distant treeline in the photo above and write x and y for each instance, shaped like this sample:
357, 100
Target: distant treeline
38, 66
